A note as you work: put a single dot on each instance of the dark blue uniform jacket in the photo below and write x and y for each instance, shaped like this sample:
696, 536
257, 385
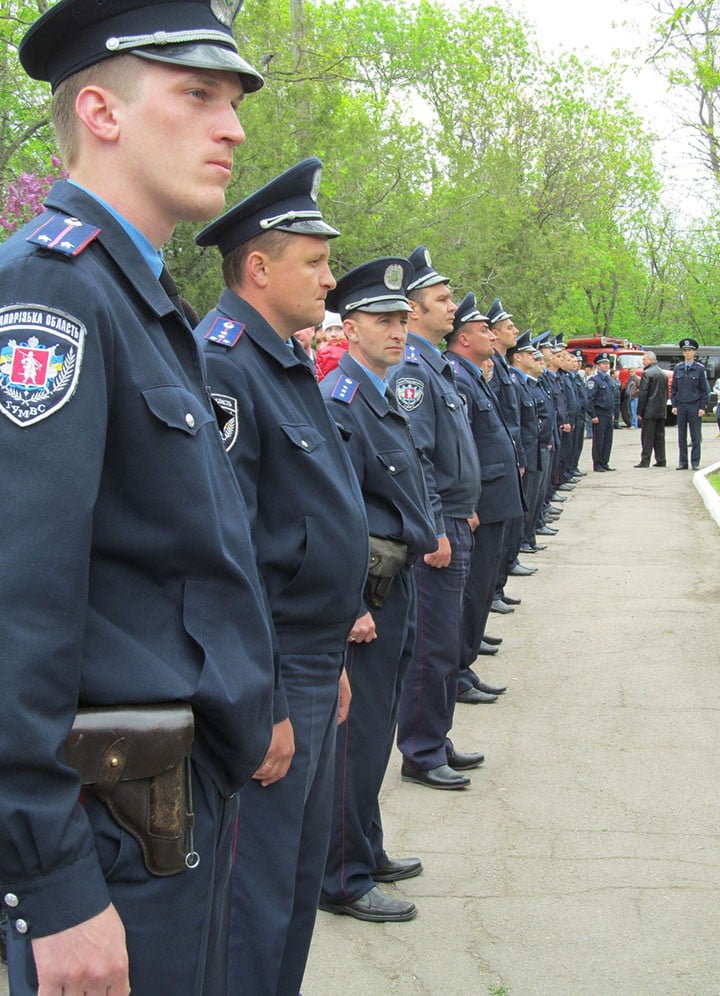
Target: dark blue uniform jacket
383, 454
502, 386
128, 573
305, 505
600, 394
425, 390
500, 498
690, 386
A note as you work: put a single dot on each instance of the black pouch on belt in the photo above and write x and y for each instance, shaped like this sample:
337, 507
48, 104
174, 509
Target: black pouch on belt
136, 760
387, 559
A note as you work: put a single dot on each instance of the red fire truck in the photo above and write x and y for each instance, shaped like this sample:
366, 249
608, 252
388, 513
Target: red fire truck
625, 357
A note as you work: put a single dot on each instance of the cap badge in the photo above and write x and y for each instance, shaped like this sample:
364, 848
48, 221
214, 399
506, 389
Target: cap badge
225, 10
428, 260
393, 277
316, 184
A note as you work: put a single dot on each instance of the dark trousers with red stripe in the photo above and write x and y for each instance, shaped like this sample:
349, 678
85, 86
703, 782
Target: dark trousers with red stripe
364, 743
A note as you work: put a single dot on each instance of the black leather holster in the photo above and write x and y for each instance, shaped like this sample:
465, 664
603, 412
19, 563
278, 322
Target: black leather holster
387, 559
136, 760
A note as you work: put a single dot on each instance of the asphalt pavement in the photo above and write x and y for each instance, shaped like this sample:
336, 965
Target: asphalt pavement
584, 860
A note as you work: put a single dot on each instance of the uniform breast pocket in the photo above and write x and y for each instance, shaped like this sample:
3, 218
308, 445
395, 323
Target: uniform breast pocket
177, 408
303, 437
484, 419
453, 401
394, 461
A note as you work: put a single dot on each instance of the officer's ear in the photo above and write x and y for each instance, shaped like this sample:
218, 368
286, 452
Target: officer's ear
97, 109
256, 268
349, 327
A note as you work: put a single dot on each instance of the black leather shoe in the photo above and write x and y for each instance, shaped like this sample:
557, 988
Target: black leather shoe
606, 468
599, 470
489, 690
659, 465
681, 468
473, 696
538, 547
509, 600
442, 777
499, 606
463, 762
375, 906
641, 465
494, 641
521, 571
556, 497
396, 869
487, 649
566, 487
546, 531
696, 466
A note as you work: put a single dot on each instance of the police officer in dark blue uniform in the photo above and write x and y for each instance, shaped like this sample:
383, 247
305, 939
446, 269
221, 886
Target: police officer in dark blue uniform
425, 389
506, 392
127, 576
522, 364
601, 408
469, 344
689, 396
547, 429
311, 538
372, 303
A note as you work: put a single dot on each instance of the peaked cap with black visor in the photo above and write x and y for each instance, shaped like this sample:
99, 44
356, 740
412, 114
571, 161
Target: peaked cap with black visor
75, 34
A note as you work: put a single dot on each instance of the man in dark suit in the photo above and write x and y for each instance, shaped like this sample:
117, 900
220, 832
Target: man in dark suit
652, 411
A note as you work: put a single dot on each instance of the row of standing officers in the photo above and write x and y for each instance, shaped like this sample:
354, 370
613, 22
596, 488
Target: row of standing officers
324, 544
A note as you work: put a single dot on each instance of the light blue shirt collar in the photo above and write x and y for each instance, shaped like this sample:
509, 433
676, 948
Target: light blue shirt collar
377, 382
152, 256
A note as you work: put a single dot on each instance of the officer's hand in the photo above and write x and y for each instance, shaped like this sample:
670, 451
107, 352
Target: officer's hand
344, 696
522, 471
701, 412
674, 411
279, 754
566, 427
442, 556
89, 959
363, 630
595, 420
473, 522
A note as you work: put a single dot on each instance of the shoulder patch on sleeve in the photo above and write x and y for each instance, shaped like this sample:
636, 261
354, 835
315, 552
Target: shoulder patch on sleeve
59, 233
409, 393
229, 427
41, 352
345, 390
225, 332
411, 354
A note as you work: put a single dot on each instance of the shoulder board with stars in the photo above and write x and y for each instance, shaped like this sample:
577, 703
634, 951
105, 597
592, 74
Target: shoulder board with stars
345, 390
62, 234
411, 353
453, 364
225, 332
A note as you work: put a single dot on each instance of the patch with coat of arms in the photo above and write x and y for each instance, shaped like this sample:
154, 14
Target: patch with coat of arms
41, 352
409, 392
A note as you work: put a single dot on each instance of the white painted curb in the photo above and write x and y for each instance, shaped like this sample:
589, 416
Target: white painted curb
707, 492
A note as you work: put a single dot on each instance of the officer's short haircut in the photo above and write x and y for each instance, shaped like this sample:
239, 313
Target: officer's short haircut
121, 74
273, 244
417, 296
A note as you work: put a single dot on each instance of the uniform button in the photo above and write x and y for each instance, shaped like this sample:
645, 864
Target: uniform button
190, 421
11, 900
21, 926
304, 443
391, 469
